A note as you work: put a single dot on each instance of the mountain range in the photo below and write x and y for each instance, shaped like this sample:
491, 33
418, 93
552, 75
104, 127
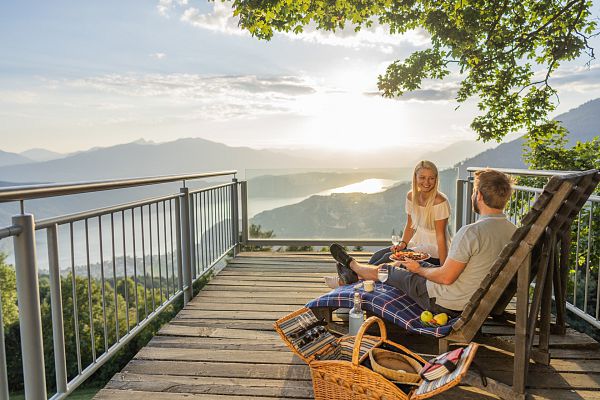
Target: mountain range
583, 124
143, 158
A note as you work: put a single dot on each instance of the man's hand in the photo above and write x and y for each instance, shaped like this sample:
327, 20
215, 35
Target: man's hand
412, 266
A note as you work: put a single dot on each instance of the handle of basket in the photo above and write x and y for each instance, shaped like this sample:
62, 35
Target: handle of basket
361, 332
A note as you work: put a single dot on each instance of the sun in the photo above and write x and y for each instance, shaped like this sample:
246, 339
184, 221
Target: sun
354, 121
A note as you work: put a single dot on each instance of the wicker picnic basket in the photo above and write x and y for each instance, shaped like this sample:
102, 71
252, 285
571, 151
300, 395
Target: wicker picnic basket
339, 370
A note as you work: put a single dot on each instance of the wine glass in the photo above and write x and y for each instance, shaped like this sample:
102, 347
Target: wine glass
382, 275
395, 238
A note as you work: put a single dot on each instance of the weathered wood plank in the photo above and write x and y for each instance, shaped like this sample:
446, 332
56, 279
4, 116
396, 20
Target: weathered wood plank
227, 324
560, 380
216, 369
230, 315
215, 332
248, 289
260, 284
257, 298
242, 306
186, 342
113, 394
211, 385
225, 356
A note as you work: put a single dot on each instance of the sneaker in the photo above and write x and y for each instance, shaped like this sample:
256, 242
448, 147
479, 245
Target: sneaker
333, 281
340, 255
346, 275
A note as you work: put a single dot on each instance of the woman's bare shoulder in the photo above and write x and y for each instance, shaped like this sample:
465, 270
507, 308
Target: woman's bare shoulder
440, 198
409, 195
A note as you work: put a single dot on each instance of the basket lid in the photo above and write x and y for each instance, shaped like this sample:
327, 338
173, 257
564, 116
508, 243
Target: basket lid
429, 389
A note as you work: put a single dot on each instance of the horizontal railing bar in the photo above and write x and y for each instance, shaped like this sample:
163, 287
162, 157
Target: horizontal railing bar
65, 219
528, 189
87, 372
583, 315
211, 188
15, 193
525, 172
592, 198
317, 242
10, 231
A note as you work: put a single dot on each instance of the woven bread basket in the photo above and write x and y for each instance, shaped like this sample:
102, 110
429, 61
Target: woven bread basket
395, 366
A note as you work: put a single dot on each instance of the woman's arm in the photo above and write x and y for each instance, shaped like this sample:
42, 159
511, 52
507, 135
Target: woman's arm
440, 236
408, 233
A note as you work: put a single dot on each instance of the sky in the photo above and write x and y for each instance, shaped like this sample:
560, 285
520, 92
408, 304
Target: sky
76, 75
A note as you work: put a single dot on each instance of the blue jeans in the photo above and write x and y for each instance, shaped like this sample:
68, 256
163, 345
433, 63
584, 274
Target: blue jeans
383, 256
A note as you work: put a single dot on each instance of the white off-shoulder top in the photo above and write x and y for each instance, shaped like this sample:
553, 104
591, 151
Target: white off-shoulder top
425, 239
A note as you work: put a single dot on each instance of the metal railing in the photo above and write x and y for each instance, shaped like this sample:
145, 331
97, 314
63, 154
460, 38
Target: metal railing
583, 289
111, 271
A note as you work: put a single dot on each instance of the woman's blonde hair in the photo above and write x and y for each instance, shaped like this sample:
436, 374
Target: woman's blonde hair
424, 217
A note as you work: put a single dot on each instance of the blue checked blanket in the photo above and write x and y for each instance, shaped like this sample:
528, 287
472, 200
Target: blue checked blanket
392, 305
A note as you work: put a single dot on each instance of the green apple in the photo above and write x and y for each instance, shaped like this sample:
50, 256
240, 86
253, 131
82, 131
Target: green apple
426, 316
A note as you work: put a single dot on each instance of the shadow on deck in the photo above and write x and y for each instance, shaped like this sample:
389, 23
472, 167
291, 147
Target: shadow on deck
222, 344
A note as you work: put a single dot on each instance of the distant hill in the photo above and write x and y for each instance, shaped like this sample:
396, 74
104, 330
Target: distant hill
41, 154
583, 124
346, 215
7, 158
457, 152
145, 159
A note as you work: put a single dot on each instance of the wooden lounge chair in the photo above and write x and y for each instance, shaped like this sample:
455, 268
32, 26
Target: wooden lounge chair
531, 253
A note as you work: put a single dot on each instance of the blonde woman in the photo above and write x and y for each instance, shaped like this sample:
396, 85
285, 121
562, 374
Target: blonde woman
427, 212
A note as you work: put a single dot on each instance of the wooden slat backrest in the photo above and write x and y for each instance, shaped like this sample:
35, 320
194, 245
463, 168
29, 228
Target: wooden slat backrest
583, 187
562, 197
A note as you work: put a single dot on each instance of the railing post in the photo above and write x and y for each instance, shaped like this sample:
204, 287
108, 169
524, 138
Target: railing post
58, 330
234, 216
193, 243
186, 251
3, 372
460, 204
178, 228
470, 217
244, 190
28, 297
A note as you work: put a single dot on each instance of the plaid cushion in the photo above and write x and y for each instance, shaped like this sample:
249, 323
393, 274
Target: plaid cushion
392, 305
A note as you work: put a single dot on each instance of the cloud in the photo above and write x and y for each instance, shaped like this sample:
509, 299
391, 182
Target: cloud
164, 6
577, 79
221, 19
23, 97
438, 92
158, 56
205, 97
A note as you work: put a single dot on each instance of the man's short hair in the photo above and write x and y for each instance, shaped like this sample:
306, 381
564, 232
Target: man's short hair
494, 186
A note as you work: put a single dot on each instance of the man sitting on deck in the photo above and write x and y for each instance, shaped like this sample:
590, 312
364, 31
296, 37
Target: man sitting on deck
449, 287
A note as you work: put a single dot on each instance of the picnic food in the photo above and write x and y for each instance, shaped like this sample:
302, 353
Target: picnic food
426, 316
409, 255
441, 319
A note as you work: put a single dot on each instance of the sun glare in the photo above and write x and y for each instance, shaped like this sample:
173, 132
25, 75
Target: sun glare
354, 121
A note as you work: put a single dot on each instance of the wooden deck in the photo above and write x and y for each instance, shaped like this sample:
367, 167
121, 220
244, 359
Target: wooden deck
223, 345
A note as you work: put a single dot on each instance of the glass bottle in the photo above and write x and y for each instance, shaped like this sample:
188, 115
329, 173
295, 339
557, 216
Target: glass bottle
356, 316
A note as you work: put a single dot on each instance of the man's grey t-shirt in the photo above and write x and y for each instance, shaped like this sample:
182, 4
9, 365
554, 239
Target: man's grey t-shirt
477, 245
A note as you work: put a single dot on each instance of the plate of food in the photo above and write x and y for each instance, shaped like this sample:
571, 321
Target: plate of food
409, 255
